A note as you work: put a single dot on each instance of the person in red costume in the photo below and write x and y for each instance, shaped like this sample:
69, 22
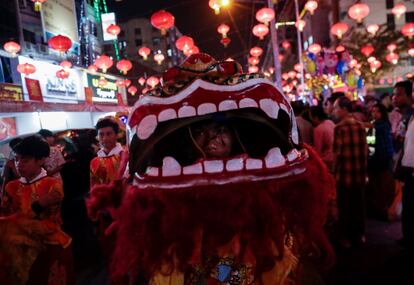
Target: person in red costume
33, 248
222, 192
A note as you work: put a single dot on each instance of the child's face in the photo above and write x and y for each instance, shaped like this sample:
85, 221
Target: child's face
28, 167
107, 137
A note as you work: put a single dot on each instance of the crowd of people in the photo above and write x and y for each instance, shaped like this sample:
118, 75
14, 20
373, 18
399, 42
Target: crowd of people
368, 146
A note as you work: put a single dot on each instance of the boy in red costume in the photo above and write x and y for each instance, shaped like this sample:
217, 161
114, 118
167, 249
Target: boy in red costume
32, 244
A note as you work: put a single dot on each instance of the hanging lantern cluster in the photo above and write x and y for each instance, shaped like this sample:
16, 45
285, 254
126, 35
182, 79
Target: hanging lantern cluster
104, 62
38, 4
26, 68
163, 21
339, 29
124, 66
358, 12
12, 47
260, 31
223, 29
60, 43
184, 43
311, 6
265, 15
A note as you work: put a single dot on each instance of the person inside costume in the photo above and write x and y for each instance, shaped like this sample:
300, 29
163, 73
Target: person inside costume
222, 192
33, 248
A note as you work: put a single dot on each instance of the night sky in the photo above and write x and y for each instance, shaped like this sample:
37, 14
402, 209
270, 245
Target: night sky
195, 18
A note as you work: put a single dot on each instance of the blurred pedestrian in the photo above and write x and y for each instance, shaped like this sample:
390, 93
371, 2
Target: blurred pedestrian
55, 161
10, 171
350, 167
305, 128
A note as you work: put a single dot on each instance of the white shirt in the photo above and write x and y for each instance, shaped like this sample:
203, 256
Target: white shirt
115, 151
43, 173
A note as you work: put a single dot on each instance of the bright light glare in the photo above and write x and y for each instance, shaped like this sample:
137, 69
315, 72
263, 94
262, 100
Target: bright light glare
225, 3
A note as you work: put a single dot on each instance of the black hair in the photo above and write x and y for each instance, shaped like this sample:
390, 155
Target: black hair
383, 110
298, 107
33, 146
344, 103
335, 96
107, 122
45, 133
14, 142
318, 112
407, 85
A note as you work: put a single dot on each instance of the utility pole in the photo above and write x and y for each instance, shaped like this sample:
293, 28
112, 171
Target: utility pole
275, 49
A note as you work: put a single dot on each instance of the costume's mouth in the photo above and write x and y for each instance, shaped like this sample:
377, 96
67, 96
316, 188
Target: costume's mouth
165, 154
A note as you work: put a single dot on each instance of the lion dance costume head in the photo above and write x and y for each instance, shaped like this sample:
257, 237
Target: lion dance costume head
223, 193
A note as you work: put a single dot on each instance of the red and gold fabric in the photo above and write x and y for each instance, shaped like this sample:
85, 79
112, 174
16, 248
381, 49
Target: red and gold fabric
104, 170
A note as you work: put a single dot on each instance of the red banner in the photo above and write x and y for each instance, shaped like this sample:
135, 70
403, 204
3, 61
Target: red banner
88, 95
120, 100
33, 88
11, 92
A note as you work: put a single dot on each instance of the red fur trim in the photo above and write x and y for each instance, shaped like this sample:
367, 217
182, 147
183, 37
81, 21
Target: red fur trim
156, 226
104, 197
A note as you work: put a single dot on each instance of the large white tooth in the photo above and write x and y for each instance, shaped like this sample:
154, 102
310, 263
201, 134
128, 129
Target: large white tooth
292, 155
186, 111
153, 171
295, 133
235, 164
227, 105
170, 167
274, 158
247, 103
213, 166
166, 115
193, 169
270, 107
206, 108
284, 108
252, 163
146, 127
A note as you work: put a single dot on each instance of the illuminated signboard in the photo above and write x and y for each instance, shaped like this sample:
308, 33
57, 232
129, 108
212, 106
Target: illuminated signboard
103, 94
108, 19
55, 89
11, 92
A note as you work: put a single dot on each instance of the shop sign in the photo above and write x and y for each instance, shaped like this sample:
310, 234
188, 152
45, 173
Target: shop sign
33, 88
11, 92
103, 94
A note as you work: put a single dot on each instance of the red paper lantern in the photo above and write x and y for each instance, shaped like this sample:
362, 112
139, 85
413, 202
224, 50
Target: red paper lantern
26, 68
144, 52
375, 65
391, 47
340, 48
371, 59
127, 82
192, 50
124, 66
184, 43
66, 64
265, 15
92, 68
60, 43
132, 90
339, 29
254, 60
399, 10
62, 74
141, 81
102, 81
372, 29
153, 81
286, 44
12, 47
298, 67
260, 31
120, 83
159, 58
358, 12
392, 57
256, 51
38, 4
408, 30
104, 62
162, 20
223, 29
253, 69
215, 5
113, 30
311, 6
411, 52
271, 70
367, 50
300, 25
225, 41
281, 57
314, 48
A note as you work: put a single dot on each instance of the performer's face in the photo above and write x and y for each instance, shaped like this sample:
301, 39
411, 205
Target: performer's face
107, 138
214, 139
28, 167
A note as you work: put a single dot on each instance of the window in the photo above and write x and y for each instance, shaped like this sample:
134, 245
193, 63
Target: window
409, 17
389, 4
138, 42
29, 36
137, 31
156, 41
390, 21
